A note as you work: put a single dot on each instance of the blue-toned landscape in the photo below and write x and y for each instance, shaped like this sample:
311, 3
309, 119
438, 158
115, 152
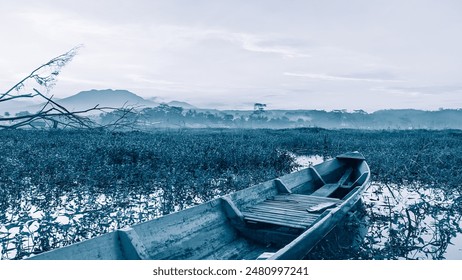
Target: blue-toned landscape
115, 115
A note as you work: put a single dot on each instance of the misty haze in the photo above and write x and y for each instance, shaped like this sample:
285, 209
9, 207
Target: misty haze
226, 130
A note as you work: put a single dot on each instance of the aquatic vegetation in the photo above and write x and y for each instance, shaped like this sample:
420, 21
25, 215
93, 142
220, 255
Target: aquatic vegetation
61, 187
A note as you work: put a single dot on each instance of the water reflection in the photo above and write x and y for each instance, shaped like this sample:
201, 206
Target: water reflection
412, 222
32, 227
304, 161
398, 222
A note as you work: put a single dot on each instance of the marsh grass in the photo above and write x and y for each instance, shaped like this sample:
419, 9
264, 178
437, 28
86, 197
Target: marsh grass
61, 187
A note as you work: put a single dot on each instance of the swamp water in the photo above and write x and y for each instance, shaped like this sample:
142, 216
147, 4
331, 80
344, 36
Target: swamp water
408, 221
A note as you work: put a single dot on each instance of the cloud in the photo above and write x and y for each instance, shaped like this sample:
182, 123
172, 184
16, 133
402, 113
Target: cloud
46, 22
89, 82
255, 43
287, 47
422, 90
139, 78
243, 51
337, 78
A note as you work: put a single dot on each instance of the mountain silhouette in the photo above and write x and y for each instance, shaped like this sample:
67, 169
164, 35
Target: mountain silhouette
181, 104
105, 98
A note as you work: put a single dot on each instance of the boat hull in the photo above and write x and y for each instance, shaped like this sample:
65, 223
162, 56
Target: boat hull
272, 219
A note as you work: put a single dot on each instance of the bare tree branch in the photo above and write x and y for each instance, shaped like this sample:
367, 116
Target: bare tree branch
48, 80
29, 95
52, 113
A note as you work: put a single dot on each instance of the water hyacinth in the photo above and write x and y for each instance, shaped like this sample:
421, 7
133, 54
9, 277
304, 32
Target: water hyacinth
61, 187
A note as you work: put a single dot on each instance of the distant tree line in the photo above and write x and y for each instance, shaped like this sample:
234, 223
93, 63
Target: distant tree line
164, 116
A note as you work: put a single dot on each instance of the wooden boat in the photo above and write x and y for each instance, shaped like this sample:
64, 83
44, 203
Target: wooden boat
282, 218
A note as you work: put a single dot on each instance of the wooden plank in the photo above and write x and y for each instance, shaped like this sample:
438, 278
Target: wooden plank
302, 197
273, 221
321, 207
291, 203
316, 173
280, 218
281, 187
300, 207
293, 180
255, 194
277, 222
329, 189
131, 245
283, 203
330, 170
294, 215
103, 247
237, 249
200, 243
307, 217
190, 234
289, 210
265, 256
351, 155
231, 210
345, 176
326, 190
276, 209
360, 180
297, 202
267, 235
288, 223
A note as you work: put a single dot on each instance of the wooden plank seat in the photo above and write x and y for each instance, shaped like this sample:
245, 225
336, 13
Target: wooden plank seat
329, 189
289, 210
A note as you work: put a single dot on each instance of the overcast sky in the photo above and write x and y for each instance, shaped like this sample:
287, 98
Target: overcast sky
230, 54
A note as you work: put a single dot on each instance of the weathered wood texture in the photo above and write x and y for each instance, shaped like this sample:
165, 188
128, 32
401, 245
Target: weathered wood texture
104, 247
192, 234
300, 246
329, 189
330, 171
254, 195
290, 210
298, 181
131, 245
